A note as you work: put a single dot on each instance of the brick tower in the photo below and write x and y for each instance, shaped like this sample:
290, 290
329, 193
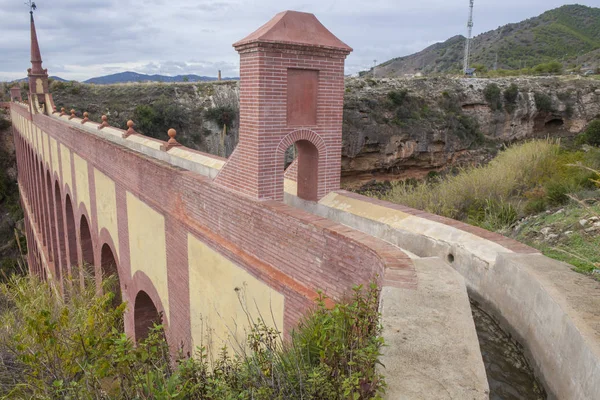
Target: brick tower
38, 77
291, 92
15, 93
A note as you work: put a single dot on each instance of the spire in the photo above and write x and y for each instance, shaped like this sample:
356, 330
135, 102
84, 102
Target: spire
38, 77
36, 56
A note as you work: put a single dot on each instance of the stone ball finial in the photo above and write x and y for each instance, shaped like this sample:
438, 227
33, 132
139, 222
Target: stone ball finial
130, 131
85, 117
104, 123
62, 111
72, 111
172, 133
85, 114
172, 141
72, 114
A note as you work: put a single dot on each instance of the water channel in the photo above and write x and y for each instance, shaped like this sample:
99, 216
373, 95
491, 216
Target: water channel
509, 374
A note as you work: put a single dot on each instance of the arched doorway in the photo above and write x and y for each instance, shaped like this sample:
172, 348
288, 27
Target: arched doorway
60, 225
87, 249
45, 217
52, 247
145, 315
109, 269
306, 170
71, 236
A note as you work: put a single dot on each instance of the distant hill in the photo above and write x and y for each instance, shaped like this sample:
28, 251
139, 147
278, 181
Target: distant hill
124, 77
569, 34
56, 78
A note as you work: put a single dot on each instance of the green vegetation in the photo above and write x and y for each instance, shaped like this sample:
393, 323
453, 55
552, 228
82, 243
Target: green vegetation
511, 94
414, 112
222, 116
522, 180
569, 35
492, 94
76, 349
543, 102
155, 119
591, 135
574, 245
10, 210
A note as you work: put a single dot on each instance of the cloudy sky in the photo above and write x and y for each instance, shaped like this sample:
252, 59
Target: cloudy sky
81, 39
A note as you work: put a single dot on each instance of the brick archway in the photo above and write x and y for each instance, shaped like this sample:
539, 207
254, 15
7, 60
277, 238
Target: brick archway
87, 249
71, 236
312, 154
145, 315
109, 267
61, 259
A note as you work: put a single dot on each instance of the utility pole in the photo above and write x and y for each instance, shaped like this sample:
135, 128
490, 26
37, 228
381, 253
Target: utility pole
374, 67
496, 63
469, 34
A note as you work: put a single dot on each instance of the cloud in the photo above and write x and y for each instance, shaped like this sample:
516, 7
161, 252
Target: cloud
82, 39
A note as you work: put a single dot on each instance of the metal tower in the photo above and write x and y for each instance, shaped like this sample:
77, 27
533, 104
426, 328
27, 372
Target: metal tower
469, 34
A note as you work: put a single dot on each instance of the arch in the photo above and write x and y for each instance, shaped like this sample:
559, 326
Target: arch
87, 248
46, 218
71, 233
60, 232
311, 153
145, 315
52, 247
109, 268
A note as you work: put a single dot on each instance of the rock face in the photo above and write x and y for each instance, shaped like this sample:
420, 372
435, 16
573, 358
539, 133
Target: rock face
406, 126
393, 127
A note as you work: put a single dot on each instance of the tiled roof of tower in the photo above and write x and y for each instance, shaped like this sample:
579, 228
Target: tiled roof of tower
295, 27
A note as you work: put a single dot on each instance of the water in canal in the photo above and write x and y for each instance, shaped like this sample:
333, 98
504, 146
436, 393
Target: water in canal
509, 375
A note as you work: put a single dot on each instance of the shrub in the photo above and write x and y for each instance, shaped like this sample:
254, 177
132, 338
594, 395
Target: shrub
492, 95
510, 97
4, 124
492, 214
512, 173
76, 349
591, 135
222, 116
553, 67
397, 97
556, 193
543, 102
157, 118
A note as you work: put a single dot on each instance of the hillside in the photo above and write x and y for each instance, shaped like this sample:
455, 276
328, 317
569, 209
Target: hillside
569, 34
393, 128
128, 76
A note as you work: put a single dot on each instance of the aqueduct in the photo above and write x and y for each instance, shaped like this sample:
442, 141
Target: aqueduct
198, 241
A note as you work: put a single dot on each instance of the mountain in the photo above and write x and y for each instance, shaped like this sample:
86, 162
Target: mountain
569, 34
56, 78
124, 77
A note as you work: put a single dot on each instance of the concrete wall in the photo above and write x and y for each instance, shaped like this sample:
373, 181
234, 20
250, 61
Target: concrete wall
550, 309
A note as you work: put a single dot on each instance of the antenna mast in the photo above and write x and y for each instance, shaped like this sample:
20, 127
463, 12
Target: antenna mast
469, 34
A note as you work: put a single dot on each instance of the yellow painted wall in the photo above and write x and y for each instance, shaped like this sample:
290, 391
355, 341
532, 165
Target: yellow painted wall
82, 182
54, 155
65, 159
45, 147
214, 301
148, 246
106, 206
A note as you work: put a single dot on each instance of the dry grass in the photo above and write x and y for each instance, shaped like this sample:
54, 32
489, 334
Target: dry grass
505, 178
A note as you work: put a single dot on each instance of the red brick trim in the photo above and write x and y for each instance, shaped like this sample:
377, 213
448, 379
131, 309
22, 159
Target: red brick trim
140, 281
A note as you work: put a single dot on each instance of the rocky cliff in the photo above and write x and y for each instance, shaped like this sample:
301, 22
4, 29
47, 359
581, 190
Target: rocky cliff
411, 126
393, 127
